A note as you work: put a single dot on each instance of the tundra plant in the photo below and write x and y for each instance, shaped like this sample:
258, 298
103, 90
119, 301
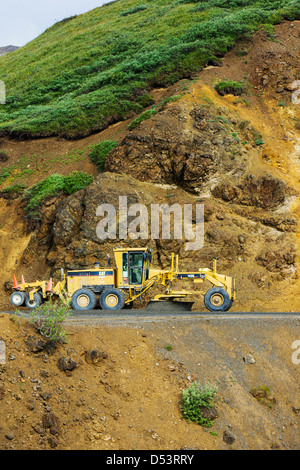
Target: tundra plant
194, 400
48, 319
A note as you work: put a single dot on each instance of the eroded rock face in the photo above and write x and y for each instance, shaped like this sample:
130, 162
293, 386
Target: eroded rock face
279, 257
255, 252
178, 147
267, 192
186, 154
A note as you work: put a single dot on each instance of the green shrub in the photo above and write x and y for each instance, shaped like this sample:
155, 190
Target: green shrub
100, 151
130, 11
145, 100
291, 11
194, 399
142, 117
52, 186
76, 181
48, 319
14, 189
226, 87
43, 190
4, 174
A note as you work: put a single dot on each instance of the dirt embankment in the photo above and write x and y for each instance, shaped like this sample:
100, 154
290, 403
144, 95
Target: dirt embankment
118, 387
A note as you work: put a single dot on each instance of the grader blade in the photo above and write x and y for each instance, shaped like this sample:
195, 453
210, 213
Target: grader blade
169, 306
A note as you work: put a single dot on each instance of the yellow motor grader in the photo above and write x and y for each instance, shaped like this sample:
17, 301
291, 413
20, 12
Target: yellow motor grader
115, 288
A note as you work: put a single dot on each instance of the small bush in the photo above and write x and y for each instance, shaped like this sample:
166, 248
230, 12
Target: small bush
145, 100
242, 52
258, 137
48, 319
76, 181
230, 87
100, 151
43, 190
133, 10
194, 399
263, 395
14, 189
52, 186
142, 117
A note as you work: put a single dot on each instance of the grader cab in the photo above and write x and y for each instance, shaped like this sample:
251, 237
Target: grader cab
114, 288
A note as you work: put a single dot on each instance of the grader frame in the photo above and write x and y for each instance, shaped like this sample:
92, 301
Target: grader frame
132, 277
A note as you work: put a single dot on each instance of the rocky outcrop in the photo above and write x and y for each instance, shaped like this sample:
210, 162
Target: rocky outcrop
279, 257
266, 192
179, 146
257, 253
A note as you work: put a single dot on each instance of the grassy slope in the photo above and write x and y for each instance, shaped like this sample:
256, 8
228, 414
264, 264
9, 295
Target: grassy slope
87, 71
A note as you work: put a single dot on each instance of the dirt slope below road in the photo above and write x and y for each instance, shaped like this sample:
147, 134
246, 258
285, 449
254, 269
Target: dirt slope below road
129, 399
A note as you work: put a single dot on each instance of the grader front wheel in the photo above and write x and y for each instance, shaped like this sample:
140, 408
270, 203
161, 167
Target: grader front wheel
217, 299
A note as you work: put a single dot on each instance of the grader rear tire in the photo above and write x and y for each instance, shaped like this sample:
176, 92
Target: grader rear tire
112, 299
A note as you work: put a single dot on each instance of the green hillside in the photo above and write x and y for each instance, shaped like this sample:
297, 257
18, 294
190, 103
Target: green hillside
90, 70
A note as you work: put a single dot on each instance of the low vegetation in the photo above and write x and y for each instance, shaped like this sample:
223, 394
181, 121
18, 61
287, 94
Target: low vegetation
149, 113
226, 87
100, 151
264, 395
49, 317
14, 189
90, 70
52, 186
195, 400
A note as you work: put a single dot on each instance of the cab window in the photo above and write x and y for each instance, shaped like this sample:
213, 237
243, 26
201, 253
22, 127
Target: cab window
136, 268
125, 268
